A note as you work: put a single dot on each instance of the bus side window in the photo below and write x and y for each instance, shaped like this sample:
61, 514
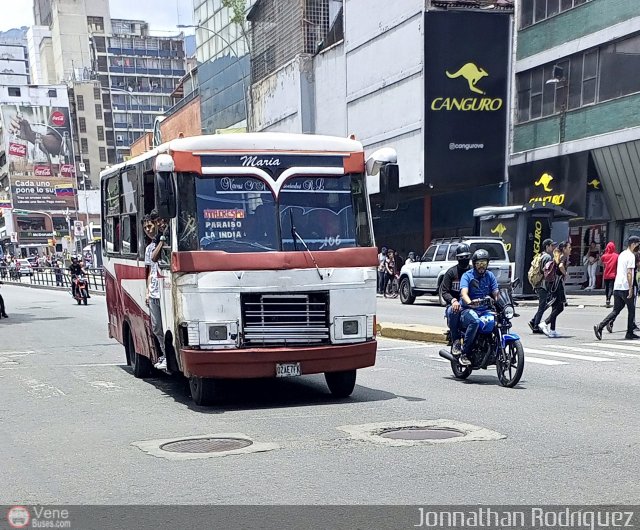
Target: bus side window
149, 192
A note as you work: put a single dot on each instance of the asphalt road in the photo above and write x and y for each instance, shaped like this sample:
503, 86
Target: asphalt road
71, 412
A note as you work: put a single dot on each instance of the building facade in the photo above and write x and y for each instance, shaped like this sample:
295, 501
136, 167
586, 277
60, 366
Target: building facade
14, 64
222, 52
372, 69
576, 134
37, 171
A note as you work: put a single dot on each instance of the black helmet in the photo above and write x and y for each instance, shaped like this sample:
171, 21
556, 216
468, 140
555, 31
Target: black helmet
463, 252
479, 255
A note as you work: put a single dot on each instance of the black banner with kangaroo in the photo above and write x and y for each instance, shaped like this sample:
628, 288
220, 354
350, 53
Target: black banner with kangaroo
466, 101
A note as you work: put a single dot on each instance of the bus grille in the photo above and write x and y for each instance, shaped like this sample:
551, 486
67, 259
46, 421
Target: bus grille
285, 319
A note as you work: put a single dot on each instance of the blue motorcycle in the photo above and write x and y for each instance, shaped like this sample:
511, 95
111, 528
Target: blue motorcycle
494, 344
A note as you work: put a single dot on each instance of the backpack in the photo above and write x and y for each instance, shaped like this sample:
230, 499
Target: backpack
550, 271
535, 273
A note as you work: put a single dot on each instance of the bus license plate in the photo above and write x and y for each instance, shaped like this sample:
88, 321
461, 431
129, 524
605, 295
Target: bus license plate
288, 370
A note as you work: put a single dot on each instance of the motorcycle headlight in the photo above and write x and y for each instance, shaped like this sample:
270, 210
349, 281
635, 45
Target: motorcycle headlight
509, 312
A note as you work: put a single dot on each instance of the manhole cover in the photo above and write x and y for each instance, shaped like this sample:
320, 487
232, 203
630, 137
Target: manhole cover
206, 445
422, 433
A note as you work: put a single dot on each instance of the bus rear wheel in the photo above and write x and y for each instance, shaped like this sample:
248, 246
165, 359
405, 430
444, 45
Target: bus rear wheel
203, 390
341, 384
140, 364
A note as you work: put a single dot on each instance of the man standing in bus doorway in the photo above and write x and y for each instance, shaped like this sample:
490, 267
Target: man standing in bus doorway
151, 256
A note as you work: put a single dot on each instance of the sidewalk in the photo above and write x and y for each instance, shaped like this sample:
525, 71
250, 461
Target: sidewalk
417, 332
575, 298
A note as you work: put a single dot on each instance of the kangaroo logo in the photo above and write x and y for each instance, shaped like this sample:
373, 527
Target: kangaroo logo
544, 181
499, 229
472, 74
595, 184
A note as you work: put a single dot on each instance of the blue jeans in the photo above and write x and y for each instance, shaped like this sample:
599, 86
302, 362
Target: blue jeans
470, 321
453, 321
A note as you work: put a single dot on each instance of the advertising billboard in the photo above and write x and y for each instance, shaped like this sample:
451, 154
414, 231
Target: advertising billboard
561, 181
38, 146
466, 98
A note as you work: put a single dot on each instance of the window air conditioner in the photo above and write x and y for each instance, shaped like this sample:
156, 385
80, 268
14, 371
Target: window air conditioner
119, 138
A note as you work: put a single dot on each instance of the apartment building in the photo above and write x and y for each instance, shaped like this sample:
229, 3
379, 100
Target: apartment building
576, 133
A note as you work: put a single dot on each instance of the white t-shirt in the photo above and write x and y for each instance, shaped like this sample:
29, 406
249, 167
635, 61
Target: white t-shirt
154, 289
626, 260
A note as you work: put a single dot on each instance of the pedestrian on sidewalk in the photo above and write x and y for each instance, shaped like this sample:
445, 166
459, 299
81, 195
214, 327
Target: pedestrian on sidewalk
610, 261
382, 270
591, 259
540, 287
557, 297
623, 290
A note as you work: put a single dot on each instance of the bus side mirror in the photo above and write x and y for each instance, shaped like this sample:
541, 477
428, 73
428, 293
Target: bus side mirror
165, 195
389, 186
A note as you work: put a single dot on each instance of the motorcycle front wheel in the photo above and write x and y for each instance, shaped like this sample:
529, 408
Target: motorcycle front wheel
510, 372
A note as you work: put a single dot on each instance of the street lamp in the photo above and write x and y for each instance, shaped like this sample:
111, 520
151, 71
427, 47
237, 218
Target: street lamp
234, 52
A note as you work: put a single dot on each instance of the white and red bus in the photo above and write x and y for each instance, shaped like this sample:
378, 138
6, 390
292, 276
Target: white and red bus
271, 266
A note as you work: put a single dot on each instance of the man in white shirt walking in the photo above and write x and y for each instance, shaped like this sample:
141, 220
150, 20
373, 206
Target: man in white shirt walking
623, 290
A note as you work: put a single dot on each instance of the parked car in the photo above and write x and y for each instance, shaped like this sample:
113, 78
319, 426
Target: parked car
425, 275
24, 268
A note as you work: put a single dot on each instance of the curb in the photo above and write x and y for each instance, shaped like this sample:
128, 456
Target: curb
413, 332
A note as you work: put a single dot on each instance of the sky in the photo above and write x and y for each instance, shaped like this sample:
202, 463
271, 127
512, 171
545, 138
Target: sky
161, 14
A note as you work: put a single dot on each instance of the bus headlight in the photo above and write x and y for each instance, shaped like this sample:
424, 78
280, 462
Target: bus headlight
350, 327
509, 312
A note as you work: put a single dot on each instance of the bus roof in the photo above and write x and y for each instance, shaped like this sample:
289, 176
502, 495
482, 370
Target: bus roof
250, 143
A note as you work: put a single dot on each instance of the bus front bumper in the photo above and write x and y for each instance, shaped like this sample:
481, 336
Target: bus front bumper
261, 362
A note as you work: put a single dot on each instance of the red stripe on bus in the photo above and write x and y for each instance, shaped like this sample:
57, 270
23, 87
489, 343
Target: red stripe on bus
187, 162
354, 163
214, 260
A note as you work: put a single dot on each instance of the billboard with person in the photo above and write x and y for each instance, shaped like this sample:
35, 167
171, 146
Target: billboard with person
36, 139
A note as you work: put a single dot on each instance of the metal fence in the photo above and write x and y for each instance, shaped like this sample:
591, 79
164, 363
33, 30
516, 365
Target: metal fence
52, 277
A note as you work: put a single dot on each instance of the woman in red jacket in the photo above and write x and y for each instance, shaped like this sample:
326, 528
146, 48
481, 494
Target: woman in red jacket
610, 262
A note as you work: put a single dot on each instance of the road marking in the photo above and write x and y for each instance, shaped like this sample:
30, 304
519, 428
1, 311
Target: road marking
416, 347
105, 384
596, 352
568, 355
16, 352
40, 389
548, 362
616, 346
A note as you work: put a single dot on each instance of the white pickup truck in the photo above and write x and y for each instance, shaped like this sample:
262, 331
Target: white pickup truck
425, 276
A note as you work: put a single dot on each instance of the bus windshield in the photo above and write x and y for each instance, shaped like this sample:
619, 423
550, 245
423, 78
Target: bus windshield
241, 214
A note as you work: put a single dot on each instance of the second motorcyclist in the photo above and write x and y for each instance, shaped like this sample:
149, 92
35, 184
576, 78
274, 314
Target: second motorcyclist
75, 269
475, 285
451, 294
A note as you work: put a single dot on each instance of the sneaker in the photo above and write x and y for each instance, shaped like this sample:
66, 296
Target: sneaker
544, 327
608, 304
456, 349
531, 326
610, 327
635, 327
631, 336
553, 334
161, 364
534, 330
598, 331
464, 360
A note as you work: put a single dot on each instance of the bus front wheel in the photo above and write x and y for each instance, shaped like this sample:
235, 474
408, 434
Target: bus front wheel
202, 390
341, 384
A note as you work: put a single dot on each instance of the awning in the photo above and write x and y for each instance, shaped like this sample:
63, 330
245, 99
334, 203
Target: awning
618, 167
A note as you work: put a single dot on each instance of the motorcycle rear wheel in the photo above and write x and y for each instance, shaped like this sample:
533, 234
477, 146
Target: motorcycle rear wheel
510, 375
460, 371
